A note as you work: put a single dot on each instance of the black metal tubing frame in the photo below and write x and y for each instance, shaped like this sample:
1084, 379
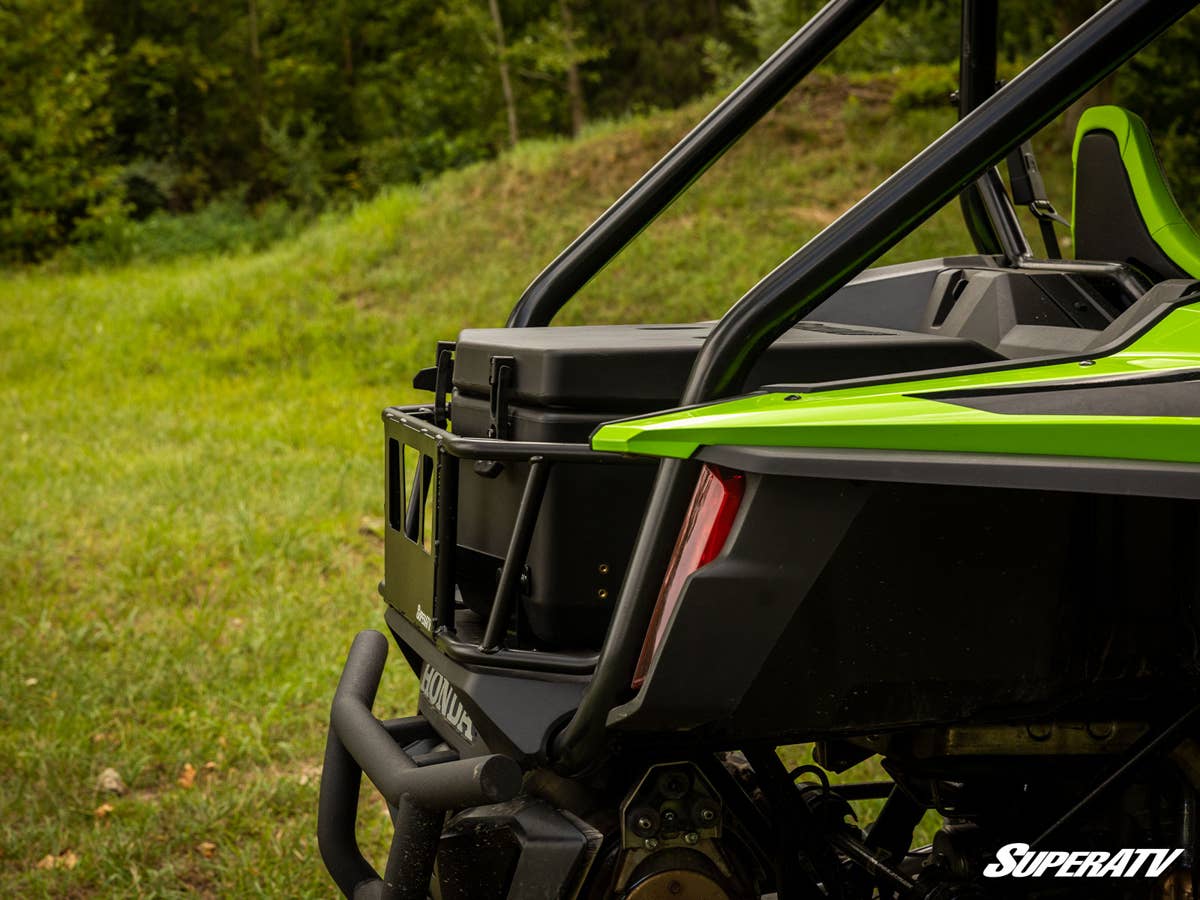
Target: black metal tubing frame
933, 177
417, 426
976, 82
419, 790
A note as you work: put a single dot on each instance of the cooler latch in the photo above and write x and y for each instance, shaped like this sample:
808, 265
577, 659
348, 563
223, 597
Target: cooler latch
500, 379
439, 379
501, 372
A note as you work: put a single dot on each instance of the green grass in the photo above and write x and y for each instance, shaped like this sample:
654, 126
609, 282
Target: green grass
191, 482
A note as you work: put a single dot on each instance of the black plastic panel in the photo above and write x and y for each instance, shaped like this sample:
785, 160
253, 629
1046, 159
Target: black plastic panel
1174, 395
838, 603
1126, 477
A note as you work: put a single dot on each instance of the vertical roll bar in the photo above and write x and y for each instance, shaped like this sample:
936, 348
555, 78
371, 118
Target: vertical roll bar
977, 82
986, 207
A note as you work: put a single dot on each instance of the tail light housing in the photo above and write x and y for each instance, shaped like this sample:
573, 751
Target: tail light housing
706, 528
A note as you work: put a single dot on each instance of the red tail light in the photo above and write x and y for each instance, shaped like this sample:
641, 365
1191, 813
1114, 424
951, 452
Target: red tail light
705, 530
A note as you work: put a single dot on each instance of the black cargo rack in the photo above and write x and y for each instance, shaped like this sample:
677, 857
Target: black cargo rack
428, 558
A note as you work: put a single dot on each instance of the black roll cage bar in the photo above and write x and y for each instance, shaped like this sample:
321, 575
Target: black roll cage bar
960, 162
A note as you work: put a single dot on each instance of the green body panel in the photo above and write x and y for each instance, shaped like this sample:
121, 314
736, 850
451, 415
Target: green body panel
1166, 223
887, 417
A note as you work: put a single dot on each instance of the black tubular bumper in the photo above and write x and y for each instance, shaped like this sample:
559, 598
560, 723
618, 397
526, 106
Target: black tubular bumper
420, 790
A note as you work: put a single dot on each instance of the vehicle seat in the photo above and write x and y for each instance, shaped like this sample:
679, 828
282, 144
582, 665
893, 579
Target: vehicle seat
1123, 210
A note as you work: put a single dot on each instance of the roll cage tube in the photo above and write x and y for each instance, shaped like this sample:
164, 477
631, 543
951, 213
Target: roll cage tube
686, 161
987, 209
933, 177
977, 82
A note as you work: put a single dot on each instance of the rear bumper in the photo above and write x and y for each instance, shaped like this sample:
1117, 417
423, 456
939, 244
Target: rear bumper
419, 788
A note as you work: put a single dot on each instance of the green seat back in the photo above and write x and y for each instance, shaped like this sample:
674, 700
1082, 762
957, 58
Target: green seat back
1123, 210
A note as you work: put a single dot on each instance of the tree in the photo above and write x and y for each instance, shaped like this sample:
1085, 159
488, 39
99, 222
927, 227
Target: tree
1161, 84
573, 60
510, 103
146, 106
57, 173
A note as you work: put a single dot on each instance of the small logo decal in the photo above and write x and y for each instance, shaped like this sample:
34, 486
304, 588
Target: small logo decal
437, 690
424, 620
1016, 861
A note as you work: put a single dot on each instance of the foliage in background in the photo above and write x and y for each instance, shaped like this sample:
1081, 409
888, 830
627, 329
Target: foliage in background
115, 110
58, 175
119, 112
1162, 84
226, 226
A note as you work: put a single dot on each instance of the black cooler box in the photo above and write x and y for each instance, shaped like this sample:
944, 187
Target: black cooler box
559, 384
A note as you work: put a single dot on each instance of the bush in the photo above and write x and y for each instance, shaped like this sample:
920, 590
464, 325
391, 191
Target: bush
926, 87
224, 226
406, 160
299, 159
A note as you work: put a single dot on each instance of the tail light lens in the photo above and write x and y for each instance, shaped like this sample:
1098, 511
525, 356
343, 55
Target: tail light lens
709, 520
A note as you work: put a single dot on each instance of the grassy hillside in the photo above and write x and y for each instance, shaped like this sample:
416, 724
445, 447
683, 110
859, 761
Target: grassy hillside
192, 486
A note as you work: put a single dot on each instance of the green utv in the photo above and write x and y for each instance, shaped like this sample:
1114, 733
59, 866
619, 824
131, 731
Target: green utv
943, 513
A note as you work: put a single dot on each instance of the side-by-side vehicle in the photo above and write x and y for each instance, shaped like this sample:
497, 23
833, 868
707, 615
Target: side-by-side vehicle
943, 514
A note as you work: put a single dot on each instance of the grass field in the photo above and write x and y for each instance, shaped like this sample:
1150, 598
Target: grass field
191, 479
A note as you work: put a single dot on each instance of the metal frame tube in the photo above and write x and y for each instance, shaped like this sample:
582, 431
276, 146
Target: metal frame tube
575, 746
977, 82
418, 420
686, 161
1143, 749
977, 54
445, 546
518, 550
359, 743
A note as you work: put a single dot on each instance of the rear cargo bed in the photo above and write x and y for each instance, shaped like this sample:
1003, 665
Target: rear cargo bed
559, 384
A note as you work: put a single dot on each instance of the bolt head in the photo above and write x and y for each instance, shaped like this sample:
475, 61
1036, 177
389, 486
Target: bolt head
673, 785
650, 843
1040, 731
644, 823
707, 816
691, 838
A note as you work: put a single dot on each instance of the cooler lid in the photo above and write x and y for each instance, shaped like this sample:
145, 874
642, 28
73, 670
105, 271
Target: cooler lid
638, 367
